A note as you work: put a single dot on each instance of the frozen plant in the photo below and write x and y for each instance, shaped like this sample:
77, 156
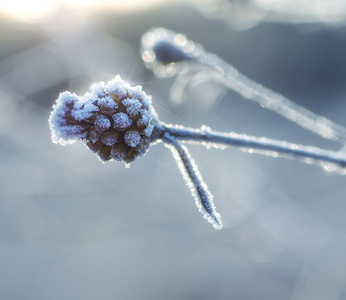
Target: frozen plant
168, 53
117, 121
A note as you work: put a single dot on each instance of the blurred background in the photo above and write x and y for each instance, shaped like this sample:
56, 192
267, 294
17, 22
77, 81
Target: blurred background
72, 227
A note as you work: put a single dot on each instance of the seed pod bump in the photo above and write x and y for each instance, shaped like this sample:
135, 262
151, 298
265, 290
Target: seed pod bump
121, 121
109, 137
104, 153
132, 138
119, 151
107, 106
102, 123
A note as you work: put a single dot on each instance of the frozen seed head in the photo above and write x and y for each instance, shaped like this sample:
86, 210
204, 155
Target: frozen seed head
166, 52
115, 120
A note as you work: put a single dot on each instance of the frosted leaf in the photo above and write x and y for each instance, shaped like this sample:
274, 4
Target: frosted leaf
132, 138
102, 123
121, 121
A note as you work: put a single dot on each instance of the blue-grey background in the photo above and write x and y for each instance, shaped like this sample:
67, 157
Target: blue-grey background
74, 228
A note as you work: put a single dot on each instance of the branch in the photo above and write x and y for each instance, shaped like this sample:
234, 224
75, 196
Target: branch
168, 53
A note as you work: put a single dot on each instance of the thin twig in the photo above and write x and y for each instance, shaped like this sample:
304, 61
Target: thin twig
194, 180
251, 90
169, 53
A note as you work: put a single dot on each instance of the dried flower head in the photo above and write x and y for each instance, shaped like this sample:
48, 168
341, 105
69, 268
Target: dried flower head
115, 120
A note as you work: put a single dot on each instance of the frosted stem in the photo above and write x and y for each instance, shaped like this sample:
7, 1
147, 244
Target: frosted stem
194, 180
249, 89
307, 154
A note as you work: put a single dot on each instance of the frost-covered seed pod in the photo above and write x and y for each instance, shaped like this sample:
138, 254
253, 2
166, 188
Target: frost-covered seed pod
114, 119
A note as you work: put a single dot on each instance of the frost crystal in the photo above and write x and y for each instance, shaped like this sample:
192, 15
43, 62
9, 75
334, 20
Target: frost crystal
114, 119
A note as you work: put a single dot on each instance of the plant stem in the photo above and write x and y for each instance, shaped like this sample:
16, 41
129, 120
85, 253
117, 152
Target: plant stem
230, 77
194, 180
269, 147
